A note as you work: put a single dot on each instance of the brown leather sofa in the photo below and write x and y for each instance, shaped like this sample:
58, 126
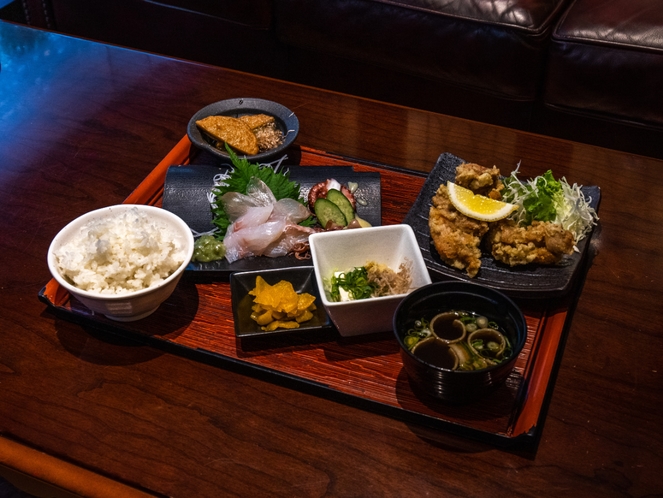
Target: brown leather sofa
604, 76
585, 70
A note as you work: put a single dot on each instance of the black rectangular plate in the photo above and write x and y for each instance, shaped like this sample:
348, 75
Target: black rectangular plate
529, 281
185, 194
302, 280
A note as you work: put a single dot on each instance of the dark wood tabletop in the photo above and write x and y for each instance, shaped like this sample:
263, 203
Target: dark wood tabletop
82, 124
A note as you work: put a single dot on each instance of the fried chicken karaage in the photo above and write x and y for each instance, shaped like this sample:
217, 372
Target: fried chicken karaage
544, 243
480, 180
459, 239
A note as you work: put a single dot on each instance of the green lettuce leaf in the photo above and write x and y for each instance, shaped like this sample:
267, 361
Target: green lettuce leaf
540, 199
545, 199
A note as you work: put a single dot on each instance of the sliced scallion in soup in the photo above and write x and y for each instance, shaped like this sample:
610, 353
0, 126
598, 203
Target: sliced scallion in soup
458, 340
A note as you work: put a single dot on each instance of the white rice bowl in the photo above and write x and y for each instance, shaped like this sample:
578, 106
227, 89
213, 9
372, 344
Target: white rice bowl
121, 260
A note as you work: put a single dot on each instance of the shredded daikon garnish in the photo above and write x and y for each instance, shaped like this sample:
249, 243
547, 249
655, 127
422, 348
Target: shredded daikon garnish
544, 198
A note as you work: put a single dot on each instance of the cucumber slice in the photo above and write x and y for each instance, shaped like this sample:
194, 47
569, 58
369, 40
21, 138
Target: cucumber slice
343, 203
326, 210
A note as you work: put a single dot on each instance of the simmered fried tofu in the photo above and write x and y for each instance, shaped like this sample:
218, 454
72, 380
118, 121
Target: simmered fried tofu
232, 131
255, 121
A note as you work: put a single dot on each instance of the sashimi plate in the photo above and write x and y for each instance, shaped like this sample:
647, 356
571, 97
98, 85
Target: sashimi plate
186, 194
529, 281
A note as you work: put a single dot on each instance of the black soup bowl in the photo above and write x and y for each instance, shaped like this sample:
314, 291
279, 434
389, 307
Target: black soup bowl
451, 385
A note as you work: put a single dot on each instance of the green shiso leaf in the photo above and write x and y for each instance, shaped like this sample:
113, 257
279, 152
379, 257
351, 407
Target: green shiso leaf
242, 172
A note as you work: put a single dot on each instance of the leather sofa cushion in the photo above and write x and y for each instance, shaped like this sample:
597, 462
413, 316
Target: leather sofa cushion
606, 59
255, 13
240, 39
492, 46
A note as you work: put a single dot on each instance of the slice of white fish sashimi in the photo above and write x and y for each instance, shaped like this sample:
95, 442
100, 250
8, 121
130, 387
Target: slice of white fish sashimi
257, 194
261, 225
251, 240
294, 237
292, 210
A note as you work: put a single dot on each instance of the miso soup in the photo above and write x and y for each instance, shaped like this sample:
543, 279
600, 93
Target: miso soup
458, 340
437, 353
447, 326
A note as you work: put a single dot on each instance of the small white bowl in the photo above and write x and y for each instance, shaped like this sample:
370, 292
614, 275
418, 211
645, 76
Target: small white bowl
135, 304
342, 250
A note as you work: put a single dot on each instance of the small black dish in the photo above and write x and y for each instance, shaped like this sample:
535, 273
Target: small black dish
286, 121
302, 280
456, 386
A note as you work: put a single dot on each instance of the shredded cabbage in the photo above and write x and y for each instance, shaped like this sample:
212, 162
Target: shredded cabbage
544, 198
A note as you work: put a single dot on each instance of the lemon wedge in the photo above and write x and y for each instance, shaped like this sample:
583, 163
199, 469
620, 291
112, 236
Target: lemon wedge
477, 206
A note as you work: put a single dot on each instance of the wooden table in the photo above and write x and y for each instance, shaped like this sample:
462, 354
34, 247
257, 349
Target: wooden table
82, 124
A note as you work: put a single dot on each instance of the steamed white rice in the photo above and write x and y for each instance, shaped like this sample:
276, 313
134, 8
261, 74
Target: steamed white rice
120, 254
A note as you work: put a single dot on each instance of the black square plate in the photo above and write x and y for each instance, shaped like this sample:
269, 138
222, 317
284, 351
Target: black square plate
302, 279
529, 281
186, 189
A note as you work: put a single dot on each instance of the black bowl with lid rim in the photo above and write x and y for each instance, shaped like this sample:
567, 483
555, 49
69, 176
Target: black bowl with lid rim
285, 119
458, 386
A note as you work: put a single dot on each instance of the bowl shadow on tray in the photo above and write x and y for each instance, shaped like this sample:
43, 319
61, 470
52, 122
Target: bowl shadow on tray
499, 401
360, 347
467, 421
93, 345
334, 347
293, 156
166, 323
495, 405
249, 347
